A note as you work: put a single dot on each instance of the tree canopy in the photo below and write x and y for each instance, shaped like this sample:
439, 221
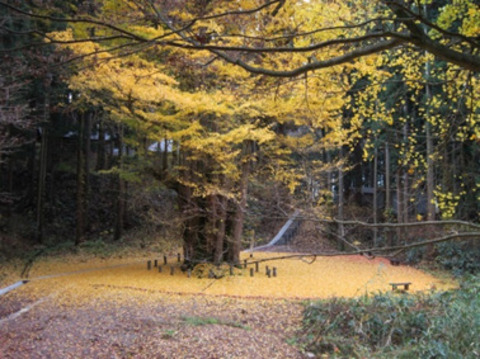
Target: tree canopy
322, 98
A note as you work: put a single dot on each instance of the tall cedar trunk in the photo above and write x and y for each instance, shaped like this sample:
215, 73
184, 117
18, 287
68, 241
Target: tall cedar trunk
9, 181
222, 222
189, 209
406, 197
42, 175
239, 216
87, 155
429, 154
101, 146
429, 140
212, 219
120, 202
352, 179
80, 210
185, 198
399, 204
375, 200
32, 165
43, 162
388, 193
328, 184
341, 227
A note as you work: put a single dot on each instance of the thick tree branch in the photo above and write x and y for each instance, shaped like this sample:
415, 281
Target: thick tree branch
462, 59
279, 49
75, 20
315, 65
398, 225
383, 40
416, 16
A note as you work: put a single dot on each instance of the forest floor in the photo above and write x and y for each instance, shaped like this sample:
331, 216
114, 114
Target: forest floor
76, 307
129, 323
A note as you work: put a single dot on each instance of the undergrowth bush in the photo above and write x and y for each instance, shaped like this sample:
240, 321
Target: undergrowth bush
459, 257
433, 325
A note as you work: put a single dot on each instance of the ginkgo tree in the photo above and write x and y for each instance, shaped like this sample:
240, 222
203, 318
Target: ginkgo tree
222, 119
187, 71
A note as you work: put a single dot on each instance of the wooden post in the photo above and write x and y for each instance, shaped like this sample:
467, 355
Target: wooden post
159, 269
268, 273
149, 265
274, 271
244, 263
256, 267
165, 260
267, 270
251, 272
172, 270
155, 263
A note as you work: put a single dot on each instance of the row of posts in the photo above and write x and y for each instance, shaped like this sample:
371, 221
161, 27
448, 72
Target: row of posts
165, 262
269, 272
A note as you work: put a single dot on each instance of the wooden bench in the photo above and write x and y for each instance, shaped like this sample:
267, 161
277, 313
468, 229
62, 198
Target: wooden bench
405, 285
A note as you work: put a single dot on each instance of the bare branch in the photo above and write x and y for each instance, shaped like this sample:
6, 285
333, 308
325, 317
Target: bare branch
75, 20
313, 32
314, 65
241, 12
314, 47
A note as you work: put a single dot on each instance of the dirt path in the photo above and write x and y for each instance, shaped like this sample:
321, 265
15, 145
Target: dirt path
128, 323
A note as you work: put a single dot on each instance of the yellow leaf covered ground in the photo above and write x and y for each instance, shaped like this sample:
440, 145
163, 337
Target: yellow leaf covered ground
81, 307
297, 278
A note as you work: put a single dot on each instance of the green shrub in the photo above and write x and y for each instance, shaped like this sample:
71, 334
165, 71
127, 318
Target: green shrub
459, 257
434, 325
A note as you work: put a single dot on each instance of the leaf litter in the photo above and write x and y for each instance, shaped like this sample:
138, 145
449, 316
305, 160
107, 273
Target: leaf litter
128, 311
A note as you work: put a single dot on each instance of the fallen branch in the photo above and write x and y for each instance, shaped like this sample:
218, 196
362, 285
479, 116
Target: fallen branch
371, 252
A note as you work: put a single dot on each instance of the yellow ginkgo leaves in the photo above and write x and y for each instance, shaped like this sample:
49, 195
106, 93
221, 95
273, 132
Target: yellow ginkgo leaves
295, 277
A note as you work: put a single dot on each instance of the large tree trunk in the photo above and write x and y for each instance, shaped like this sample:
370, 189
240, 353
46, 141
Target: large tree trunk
341, 217
400, 204
429, 154
239, 217
213, 226
221, 230
81, 177
42, 175
388, 194
101, 146
120, 200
